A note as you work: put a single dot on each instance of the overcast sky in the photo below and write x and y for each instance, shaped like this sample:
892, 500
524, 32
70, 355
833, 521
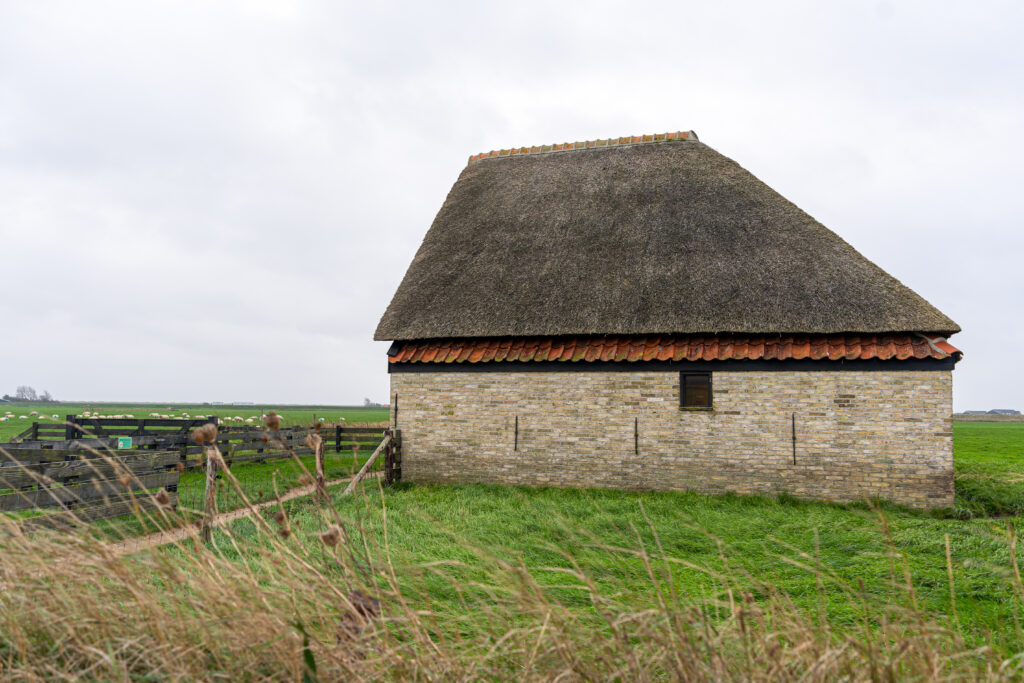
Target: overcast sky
215, 201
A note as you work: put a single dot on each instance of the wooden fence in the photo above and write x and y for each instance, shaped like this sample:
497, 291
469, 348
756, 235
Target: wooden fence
104, 431
82, 485
237, 444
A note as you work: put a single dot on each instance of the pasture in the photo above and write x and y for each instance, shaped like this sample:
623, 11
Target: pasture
291, 414
497, 582
460, 526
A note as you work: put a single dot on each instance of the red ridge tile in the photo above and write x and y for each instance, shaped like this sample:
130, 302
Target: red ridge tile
650, 348
755, 348
801, 348
711, 347
543, 350
464, 352
836, 348
674, 347
611, 346
569, 350
430, 352
665, 350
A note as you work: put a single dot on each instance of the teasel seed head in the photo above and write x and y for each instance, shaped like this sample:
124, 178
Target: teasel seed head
331, 536
273, 421
205, 434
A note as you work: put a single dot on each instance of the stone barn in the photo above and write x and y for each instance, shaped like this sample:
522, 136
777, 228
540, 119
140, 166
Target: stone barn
644, 313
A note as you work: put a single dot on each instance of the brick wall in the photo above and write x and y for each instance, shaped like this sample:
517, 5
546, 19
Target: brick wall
884, 434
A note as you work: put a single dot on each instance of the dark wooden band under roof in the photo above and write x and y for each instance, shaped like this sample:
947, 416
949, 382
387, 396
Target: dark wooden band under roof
674, 348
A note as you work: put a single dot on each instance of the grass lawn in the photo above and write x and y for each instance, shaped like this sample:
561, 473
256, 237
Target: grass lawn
989, 460
752, 538
527, 583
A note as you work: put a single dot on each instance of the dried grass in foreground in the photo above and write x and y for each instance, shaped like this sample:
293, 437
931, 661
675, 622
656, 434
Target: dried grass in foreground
259, 604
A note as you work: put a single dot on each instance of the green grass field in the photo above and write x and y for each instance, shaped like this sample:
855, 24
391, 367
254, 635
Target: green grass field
989, 461
532, 583
464, 527
292, 414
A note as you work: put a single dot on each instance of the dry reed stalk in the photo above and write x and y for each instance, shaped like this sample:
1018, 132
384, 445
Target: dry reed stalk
116, 619
206, 436
70, 609
316, 443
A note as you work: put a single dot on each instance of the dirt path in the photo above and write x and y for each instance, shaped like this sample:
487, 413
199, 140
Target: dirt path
180, 534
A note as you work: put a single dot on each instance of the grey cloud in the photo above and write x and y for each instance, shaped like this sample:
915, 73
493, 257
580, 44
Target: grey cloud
221, 198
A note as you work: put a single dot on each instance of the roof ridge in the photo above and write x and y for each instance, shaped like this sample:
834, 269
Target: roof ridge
678, 136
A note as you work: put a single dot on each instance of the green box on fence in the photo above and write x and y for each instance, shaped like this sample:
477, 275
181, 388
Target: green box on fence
124, 442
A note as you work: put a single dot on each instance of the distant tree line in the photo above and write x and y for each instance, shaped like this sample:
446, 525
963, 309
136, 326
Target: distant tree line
27, 393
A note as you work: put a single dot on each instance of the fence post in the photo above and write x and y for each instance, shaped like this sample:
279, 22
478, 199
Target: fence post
210, 496
69, 428
337, 438
396, 457
35, 431
389, 458
321, 482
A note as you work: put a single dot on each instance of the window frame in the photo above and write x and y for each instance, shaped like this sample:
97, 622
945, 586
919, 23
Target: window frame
683, 374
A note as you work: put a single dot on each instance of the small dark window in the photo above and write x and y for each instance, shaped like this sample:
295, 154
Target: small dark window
695, 389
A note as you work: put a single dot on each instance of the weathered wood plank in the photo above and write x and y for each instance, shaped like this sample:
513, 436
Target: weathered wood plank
51, 497
13, 457
91, 513
138, 462
366, 468
27, 432
139, 421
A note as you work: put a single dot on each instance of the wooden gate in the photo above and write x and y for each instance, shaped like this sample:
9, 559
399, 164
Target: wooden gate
85, 486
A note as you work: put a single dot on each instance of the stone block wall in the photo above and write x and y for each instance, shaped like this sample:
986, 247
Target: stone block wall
859, 434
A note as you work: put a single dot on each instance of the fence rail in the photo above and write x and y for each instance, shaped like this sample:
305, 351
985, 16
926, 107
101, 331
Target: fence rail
167, 445
238, 444
84, 486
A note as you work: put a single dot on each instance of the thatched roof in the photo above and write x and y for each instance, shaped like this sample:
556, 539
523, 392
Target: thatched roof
651, 238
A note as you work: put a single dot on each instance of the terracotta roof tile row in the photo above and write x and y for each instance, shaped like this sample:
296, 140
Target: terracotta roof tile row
674, 348
586, 144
